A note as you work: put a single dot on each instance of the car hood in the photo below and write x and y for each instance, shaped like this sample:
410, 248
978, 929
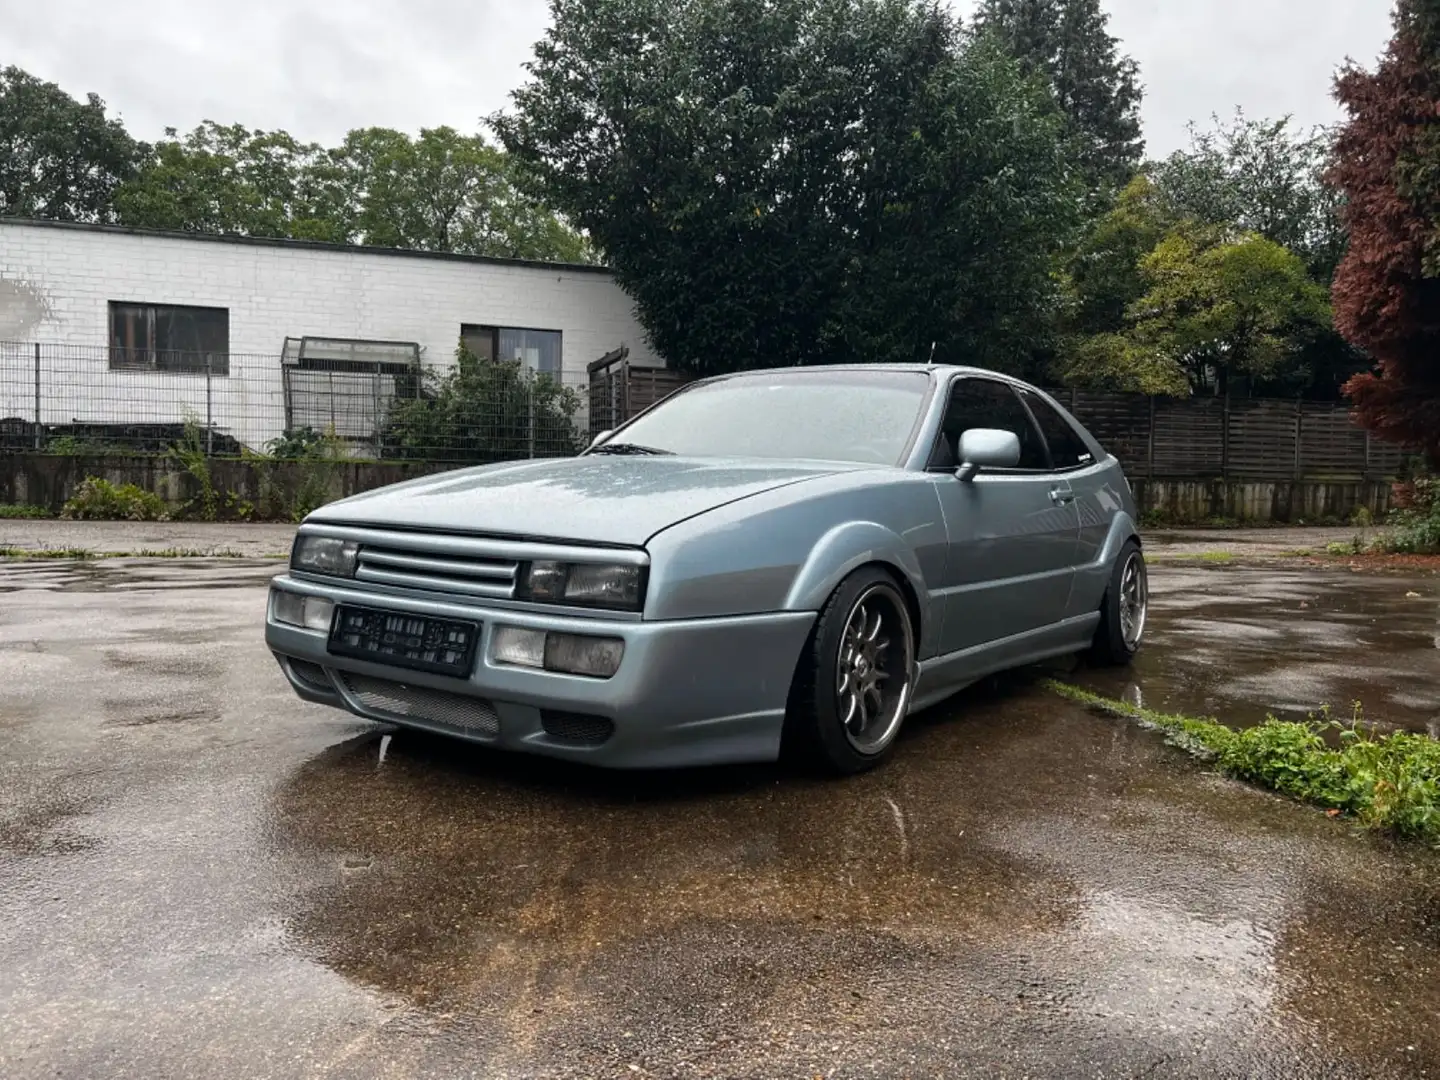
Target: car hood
599, 499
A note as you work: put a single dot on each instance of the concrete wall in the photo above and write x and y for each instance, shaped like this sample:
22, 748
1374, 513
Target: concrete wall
56, 283
49, 480
1197, 501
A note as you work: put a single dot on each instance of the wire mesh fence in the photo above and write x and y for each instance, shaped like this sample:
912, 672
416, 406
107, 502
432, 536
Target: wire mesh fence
101, 400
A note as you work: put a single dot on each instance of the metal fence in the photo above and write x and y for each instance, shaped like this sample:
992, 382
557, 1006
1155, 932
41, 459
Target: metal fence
79, 399
85, 399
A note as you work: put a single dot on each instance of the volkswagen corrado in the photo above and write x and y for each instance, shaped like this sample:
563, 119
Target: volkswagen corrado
774, 562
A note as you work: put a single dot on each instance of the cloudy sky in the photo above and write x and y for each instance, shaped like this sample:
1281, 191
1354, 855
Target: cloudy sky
320, 67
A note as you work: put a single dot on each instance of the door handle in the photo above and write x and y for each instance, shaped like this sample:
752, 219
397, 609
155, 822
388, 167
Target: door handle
1062, 496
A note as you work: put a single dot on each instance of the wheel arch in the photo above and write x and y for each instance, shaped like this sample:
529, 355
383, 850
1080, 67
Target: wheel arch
854, 546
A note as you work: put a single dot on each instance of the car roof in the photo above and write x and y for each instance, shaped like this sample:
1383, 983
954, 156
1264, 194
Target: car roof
937, 371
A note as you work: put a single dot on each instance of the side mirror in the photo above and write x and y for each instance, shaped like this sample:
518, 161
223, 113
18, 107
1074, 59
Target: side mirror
987, 448
598, 439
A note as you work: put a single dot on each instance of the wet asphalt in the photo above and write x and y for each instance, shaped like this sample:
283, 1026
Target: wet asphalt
201, 876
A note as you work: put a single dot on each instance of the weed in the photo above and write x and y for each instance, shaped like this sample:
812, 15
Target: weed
1415, 526
97, 499
46, 553
1387, 782
23, 511
190, 453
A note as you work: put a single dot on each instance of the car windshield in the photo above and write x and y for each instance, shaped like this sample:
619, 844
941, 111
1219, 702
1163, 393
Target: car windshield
865, 417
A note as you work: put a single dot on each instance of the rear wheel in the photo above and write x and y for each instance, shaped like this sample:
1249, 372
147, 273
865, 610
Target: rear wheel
855, 679
1124, 609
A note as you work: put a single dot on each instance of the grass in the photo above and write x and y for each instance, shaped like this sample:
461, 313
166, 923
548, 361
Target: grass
1388, 782
1218, 557
85, 554
22, 511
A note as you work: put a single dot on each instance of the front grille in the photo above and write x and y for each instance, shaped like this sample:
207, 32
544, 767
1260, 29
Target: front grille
462, 575
577, 728
312, 675
399, 701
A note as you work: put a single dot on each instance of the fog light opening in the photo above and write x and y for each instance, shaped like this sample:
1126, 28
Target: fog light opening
569, 654
306, 612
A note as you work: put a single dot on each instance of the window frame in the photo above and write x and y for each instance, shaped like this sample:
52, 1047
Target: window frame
1025, 394
496, 329
1017, 472
119, 356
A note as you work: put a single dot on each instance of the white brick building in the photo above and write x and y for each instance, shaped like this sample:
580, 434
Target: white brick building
130, 321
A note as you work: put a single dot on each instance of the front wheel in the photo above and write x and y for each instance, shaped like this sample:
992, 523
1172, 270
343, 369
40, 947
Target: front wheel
854, 682
1123, 611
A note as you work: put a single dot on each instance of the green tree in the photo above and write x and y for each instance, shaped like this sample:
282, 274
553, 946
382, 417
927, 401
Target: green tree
1263, 176
801, 182
60, 159
228, 179
1218, 305
1098, 89
448, 192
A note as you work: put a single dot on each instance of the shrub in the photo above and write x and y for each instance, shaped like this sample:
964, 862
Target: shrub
23, 511
1414, 528
484, 411
99, 500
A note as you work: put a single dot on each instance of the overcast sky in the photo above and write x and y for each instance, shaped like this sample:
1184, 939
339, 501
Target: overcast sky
318, 68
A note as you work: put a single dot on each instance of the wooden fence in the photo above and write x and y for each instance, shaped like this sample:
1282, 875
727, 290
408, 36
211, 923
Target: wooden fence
1262, 440
1243, 439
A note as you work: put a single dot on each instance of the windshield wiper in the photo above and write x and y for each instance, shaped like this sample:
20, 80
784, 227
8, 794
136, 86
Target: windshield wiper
630, 448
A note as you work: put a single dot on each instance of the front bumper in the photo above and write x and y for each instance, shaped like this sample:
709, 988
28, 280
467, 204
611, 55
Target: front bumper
693, 692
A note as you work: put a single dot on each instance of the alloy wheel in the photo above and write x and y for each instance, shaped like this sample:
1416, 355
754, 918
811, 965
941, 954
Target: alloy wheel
874, 669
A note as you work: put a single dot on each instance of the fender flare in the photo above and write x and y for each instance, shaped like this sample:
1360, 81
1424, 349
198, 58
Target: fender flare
845, 549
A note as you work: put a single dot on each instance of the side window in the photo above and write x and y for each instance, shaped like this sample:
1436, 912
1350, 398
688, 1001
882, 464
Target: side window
983, 403
1067, 449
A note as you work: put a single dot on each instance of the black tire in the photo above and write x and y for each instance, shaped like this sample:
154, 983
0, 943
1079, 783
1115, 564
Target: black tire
1112, 647
817, 735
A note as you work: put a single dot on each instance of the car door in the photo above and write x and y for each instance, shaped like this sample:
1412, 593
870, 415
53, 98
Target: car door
1013, 533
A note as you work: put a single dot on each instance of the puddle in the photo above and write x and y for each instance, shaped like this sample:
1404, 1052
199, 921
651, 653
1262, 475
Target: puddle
1241, 643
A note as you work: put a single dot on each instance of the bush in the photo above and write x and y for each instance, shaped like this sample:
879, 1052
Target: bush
481, 412
23, 511
1414, 527
99, 500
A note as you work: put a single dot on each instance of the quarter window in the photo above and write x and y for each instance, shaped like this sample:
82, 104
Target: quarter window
169, 337
984, 403
1067, 449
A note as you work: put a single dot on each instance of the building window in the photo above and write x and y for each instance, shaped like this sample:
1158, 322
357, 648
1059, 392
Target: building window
538, 350
169, 337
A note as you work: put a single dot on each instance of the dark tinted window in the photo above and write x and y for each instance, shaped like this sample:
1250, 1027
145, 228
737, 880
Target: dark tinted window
169, 337
857, 416
982, 403
1067, 449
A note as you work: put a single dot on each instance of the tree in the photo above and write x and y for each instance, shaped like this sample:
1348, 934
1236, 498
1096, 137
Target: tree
801, 182
1387, 290
60, 160
232, 180
441, 192
448, 192
1263, 176
1068, 43
1217, 305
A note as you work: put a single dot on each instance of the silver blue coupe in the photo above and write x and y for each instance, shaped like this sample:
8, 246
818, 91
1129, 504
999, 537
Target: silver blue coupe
775, 562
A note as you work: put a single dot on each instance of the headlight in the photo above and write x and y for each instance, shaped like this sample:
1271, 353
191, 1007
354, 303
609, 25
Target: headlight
601, 585
324, 555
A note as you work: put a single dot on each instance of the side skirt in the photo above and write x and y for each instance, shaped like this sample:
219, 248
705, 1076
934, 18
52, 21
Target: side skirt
942, 676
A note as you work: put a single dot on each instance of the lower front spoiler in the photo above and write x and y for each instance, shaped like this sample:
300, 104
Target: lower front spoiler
704, 692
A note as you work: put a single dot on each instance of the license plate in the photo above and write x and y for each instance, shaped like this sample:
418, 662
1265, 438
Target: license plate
419, 642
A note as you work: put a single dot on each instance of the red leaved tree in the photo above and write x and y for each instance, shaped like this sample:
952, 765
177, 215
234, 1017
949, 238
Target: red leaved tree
1387, 290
